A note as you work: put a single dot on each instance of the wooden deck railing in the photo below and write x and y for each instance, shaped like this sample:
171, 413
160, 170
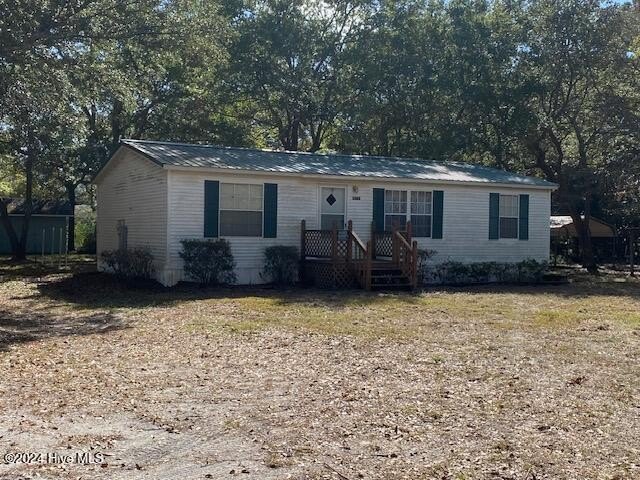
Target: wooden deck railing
360, 257
405, 256
346, 247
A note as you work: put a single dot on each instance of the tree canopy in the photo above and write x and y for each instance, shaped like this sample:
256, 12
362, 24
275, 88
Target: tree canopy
549, 88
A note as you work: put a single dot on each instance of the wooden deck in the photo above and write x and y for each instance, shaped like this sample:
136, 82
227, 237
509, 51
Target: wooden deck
340, 259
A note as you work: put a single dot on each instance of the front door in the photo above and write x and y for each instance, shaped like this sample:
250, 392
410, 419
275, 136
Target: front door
332, 207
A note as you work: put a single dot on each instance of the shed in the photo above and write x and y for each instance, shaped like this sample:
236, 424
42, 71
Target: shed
49, 220
562, 226
564, 238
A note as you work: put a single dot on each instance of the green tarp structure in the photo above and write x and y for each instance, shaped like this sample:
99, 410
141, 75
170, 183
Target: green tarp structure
49, 221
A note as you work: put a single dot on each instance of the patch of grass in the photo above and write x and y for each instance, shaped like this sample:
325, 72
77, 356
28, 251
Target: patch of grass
631, 318
437, 359
252, 314
554, 318
232, 424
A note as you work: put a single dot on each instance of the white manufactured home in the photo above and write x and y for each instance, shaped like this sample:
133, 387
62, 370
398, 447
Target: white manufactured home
155, 194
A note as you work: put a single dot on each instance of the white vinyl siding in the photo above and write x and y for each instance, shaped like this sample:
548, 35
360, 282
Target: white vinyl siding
465, 216
132, 206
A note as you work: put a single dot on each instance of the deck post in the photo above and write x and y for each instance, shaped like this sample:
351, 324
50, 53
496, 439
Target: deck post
334, 243
303, 228
409, 232
414, 264
368, 266
395, 257
373, 240
349, 241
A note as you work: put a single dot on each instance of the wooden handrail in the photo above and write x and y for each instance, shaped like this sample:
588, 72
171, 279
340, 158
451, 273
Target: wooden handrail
406, 256
402, 239
358, 256
358, 240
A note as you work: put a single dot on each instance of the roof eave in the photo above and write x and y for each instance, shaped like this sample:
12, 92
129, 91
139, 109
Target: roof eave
122, 145
551, 186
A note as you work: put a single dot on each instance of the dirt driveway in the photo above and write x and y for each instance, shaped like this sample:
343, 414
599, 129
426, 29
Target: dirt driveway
489, 383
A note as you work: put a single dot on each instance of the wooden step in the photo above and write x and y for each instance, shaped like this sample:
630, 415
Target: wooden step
388, 276
391, 286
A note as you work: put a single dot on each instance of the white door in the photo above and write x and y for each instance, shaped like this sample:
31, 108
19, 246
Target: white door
333, 207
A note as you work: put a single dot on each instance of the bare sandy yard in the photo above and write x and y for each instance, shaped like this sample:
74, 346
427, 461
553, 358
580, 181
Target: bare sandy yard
485, 382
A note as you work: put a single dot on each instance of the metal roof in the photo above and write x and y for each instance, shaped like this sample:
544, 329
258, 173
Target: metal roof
15, 206
563, 224
203, 156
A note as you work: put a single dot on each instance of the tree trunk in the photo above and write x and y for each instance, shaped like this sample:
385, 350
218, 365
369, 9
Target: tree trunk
71, 232
316, 137
8, 226
20, 253
584, 242
117, 129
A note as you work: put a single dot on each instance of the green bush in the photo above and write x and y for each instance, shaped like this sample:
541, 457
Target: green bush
531, 271
280, 265
451, 272
85, 231
134, 263
209, 262
423, 268
456, 273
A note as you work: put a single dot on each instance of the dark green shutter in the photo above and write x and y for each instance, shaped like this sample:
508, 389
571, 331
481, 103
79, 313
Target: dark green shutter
523, 233
270, 210
378, 209
494, 216
438, 208
211, 207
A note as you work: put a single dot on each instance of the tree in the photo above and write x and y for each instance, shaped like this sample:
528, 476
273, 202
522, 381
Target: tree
578, 52
35, 129
109, 64
392, 85
287, 66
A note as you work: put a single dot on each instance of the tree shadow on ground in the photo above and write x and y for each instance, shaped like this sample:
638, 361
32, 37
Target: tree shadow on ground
99, 290
35, 323
35, 268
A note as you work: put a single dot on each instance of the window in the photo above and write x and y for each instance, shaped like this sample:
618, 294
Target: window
417, 208
240, 210
508, 216
421, 214
395, 209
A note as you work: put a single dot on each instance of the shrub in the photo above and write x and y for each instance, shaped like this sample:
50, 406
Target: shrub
452, 272
209, 262
135, 263
280, 265
85, 230
531, 270
87, 244
423, 269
